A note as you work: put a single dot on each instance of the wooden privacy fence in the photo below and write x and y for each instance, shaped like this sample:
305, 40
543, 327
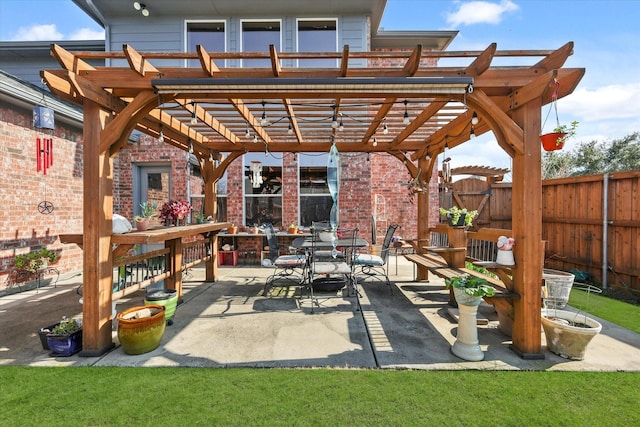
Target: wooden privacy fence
590, 223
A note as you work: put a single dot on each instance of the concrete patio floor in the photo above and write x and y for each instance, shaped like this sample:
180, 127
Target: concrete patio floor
229, 323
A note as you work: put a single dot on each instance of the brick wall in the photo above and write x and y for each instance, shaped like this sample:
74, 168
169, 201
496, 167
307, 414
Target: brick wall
22, 227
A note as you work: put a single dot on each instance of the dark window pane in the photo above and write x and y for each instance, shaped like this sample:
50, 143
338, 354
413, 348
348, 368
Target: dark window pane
314, 208
263, 209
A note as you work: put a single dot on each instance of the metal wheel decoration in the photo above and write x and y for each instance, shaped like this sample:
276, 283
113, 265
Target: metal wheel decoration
45, 207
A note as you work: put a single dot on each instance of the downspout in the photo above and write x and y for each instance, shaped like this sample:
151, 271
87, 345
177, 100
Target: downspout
103, 22
605, 228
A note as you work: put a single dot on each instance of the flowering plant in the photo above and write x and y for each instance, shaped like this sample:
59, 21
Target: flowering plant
175, 210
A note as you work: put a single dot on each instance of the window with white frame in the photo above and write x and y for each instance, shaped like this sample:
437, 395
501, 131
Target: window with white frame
315, 199
256, 37
262, 189
210, 34
317, 35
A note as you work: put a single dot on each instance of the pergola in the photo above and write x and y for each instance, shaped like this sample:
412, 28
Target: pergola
358, 105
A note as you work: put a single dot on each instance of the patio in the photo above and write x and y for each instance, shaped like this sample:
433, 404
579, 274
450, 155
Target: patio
228, 323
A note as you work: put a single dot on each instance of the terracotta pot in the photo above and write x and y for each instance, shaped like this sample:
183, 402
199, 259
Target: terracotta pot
293, 230
140, 329
233, 230
550, 141
142, 224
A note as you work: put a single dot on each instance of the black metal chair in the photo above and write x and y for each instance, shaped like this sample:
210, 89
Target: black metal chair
374, 265
287, 267
333, 262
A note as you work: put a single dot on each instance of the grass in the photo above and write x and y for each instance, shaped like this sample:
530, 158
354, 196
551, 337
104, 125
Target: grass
618, 312
97, 396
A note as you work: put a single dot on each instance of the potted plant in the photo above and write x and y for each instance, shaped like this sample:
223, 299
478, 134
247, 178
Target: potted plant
568, 333
147, 210
200, 218
174, 212
459, 217
555, 140
293, 228
65, 338
36, 260
468, 291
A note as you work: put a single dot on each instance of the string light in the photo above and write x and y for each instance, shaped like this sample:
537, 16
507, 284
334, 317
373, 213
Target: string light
161, 135
375, 142
472, 134
334, 120
290, 130
385, 129
474, 118
341, 125
255, 139
405, 119
194, 119
247, 134
264, 121
190, 147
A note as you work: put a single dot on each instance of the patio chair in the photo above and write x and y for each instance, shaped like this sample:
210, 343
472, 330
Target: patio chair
324, 269
287, 267
374, 265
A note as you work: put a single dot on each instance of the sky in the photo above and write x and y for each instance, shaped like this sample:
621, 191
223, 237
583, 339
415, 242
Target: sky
605, 33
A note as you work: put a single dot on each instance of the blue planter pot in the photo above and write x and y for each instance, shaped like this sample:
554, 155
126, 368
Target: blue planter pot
65, 345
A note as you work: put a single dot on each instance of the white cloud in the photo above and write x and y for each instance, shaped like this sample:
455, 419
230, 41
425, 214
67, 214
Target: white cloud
38, 32
87, 34
480, 12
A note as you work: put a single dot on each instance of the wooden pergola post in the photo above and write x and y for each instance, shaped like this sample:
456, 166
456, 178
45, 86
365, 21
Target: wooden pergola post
97, 228
527, 231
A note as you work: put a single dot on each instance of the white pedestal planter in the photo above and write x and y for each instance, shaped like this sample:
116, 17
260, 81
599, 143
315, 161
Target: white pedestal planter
505, 257
466, 345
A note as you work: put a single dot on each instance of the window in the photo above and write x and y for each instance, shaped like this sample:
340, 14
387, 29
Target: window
315, 199
208, 34
262, 199
317, 36
256, 37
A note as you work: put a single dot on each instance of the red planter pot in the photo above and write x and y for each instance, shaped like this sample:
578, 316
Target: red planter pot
550, 141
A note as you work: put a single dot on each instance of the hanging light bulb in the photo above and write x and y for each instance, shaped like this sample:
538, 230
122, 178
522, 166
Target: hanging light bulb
190, 147
334, 120
368, 159
474, 118
194, 119
375, 142
341, 125
385, 129
161, 135
263, 120
472, 134
405, 119
247, 134
255, 139
290, 130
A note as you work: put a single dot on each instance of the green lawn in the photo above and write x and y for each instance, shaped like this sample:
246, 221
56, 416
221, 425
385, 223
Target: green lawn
97, 396
618, 312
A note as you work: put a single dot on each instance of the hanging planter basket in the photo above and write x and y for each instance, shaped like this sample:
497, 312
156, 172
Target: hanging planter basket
555, 140
552, 141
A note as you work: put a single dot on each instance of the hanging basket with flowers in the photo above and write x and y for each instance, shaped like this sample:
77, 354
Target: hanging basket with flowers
555, 140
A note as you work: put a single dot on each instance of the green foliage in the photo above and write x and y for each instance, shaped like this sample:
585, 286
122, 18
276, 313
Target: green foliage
594, 157
148, 209
33, 261
567, 130
66, 327
454, 212
472, 285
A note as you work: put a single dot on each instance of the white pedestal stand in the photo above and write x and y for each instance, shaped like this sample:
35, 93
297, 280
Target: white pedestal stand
466, 345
